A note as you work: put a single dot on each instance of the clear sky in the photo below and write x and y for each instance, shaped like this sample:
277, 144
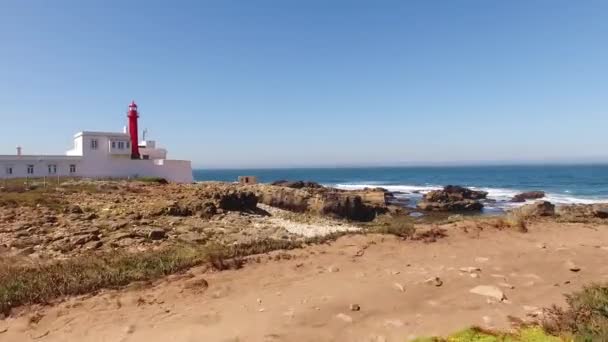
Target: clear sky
263, 83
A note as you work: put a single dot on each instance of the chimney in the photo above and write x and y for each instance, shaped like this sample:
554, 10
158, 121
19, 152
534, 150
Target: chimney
19, 150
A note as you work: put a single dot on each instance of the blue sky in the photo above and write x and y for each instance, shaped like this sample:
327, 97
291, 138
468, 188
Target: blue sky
312, 83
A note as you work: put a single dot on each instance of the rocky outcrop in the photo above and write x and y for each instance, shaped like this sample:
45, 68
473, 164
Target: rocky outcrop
361, 205
583, 212
453, 198
536, 209
297, 184
528, 196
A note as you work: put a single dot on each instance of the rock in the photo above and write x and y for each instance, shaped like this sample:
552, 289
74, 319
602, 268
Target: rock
536, 209
600, 213
436, 281
399, 287
92, 245
506, 285
470, 269
197, 284
333, 269
156, 234
522, 197
355, 307
583, 212
345, 318
572, 266
489, 291
237, 200
452, 198
360, 205
297, 184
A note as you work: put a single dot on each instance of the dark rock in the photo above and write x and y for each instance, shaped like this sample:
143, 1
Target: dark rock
528, 195
452, 198
600, 213
156, 234
237, 201
297, 184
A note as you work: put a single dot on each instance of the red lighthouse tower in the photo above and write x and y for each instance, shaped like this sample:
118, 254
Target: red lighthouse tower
133, 115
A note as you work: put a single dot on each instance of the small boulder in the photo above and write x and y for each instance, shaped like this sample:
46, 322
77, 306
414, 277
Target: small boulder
156, 234
541, 208
527, 196
355, 307
489, 291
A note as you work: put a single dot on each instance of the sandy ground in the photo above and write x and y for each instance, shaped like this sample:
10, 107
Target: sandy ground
307, 296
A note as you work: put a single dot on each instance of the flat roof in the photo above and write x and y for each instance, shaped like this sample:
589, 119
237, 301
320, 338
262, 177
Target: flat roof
41, 157
105, 134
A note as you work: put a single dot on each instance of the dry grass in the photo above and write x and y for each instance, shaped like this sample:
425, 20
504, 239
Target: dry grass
42, 283
584, 319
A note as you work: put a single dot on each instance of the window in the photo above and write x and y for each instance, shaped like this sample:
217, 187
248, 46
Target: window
73, 168
30, 169
121, 145
128, 144
9, 170
146, 157
113, 144
94, 144
52, 169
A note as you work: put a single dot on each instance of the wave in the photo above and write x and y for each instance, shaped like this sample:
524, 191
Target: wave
501, 195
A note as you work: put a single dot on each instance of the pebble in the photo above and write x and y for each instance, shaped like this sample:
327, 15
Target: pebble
572, 266
470, 269
399, 287
333, 269
345, 318
130, 329
355, 307
542, 245
507, 285
434, 281
474, 275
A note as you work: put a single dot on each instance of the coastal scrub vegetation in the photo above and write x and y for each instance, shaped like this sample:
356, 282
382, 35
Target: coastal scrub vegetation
42, 283
585, 318
528, 334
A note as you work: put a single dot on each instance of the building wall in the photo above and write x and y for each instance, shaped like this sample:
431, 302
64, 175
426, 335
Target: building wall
19, 166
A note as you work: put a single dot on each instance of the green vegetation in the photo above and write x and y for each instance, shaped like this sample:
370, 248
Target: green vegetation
585, 318
529, 334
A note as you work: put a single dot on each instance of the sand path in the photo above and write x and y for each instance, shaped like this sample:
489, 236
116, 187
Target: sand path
307, 295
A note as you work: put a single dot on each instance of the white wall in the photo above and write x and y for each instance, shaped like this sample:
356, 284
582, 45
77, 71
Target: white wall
41, 167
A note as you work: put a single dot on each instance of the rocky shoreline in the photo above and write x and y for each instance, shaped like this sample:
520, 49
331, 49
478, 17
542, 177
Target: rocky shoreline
85, 217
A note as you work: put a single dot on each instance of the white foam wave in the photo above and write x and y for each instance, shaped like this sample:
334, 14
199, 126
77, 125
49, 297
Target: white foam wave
501, 195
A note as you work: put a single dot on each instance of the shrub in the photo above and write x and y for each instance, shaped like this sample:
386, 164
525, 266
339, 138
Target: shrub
585, 318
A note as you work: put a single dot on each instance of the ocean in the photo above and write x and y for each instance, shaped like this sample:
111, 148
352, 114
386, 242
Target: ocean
585, 184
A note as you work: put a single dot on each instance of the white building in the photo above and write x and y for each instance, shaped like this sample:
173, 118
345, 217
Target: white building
101, 155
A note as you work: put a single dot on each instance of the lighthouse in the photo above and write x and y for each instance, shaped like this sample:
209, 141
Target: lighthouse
133, 115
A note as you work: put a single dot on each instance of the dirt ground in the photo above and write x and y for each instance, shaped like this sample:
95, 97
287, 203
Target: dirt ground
307, 295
